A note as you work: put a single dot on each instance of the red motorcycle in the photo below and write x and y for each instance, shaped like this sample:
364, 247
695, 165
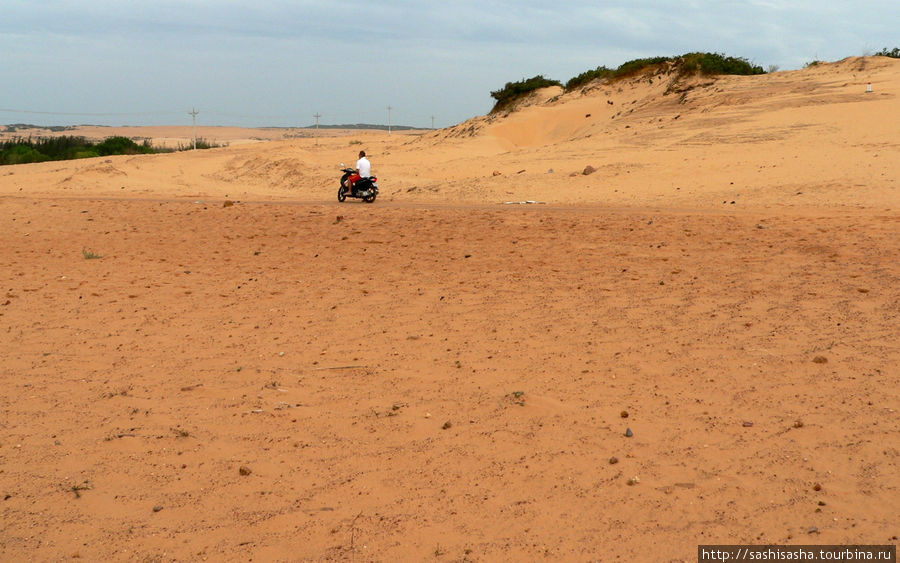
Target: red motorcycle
353, 185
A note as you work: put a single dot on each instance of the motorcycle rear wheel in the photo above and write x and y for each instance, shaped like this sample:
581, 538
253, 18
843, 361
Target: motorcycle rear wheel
369, 199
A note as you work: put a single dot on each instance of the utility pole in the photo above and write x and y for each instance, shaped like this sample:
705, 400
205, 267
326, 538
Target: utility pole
317, 116
432, 122
193, 113
389, 108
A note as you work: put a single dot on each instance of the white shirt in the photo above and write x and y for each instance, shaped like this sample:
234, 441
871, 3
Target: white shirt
364, 167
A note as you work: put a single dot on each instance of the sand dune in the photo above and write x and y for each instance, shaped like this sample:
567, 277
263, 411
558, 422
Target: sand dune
442, 376
810, 137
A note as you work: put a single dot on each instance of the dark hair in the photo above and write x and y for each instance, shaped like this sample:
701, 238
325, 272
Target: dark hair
362, 154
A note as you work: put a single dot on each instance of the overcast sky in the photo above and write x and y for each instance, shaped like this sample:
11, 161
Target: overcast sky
277, 63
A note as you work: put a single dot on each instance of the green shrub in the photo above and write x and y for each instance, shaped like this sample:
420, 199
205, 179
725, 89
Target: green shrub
632, 67
893, 53
122, 145
598, 73
21, 154
514, 91
715, 63
24, 151
201, 144
705, 63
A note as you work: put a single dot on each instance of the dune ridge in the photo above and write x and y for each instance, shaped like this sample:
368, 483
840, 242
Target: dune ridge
809, 137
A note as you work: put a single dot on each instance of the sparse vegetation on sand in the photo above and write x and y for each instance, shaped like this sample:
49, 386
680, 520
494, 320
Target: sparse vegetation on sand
703, 63
516, 90
90, 254
893, 53
14, 127
598, 73
66, 147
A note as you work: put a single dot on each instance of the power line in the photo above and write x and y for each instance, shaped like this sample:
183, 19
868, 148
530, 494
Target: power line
193, 113
317, 116
328, 118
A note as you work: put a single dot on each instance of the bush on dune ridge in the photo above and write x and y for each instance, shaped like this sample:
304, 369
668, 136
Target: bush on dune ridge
715, 63
516, 90
703, 63
630, 68
598, 73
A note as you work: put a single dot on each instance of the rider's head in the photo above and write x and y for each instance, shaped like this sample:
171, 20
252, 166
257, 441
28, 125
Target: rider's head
362, 154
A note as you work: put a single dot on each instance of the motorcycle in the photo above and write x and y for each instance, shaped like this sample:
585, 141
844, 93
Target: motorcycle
365, 189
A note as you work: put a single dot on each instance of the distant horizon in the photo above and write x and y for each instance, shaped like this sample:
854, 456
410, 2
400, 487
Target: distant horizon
271, 63
359, 126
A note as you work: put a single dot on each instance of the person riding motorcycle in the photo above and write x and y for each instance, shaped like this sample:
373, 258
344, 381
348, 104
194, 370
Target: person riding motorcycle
363, 170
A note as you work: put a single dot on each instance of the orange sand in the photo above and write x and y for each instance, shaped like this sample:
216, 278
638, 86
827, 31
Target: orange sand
443, 376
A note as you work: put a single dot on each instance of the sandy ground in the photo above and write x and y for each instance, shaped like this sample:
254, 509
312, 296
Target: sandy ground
441, 376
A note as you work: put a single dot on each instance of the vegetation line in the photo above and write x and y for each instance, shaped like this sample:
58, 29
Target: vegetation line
687, 64
21, 150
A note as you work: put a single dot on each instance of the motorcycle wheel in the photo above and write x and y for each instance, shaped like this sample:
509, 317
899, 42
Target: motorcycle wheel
342, 195
369, 199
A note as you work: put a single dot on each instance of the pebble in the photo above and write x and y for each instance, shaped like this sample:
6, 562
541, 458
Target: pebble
747, 424
613, 460
628, 433
624, 414
244, 470
633, 481
447, 425
157, 508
